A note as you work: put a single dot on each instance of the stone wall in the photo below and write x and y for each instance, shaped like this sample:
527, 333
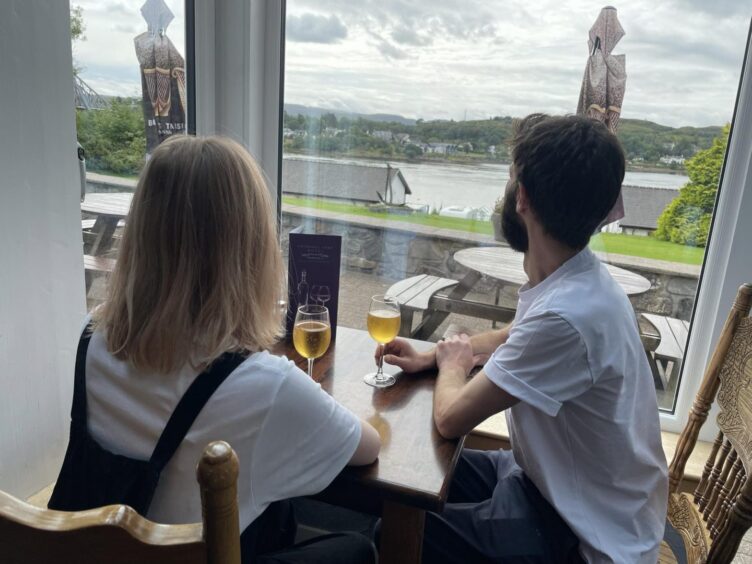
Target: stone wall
395, 254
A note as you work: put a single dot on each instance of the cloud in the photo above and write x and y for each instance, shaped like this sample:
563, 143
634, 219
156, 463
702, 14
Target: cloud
313, 28
390, 51
408, 36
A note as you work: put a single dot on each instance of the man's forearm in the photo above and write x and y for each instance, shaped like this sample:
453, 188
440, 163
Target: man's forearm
449, 382
489, 341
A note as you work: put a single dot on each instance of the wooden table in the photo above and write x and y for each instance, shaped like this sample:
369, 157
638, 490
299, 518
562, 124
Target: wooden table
416, 464
109, 208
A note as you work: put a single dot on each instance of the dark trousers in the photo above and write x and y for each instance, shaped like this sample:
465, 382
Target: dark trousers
495, 514
270, 540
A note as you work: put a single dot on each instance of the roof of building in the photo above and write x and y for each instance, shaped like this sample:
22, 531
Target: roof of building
344, 181
643, 205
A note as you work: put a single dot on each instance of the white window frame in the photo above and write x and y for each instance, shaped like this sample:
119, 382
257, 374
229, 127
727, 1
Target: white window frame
239, 92
728, 262
238, 57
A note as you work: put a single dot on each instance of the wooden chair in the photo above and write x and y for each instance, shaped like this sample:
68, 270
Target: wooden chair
712, 522
117, 534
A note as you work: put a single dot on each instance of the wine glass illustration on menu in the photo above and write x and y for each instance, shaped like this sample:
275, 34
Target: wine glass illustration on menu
324, 295
314, 294
311, 333
383, 326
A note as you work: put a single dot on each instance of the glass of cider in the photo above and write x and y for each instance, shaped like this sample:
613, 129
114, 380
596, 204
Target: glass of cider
383, 326
311, 333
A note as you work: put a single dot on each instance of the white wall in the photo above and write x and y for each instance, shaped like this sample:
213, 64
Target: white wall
42, 301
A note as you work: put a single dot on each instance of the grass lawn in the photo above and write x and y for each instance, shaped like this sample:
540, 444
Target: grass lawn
647, 247
433, 220
616, 243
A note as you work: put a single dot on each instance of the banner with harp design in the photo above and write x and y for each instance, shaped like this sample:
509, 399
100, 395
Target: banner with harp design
162, 77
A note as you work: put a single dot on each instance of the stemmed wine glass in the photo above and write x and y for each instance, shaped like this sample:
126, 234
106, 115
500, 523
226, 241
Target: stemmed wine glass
383, 326
324, 294
315, 294
311, 333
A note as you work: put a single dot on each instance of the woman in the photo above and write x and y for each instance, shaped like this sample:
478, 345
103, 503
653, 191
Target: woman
199, 274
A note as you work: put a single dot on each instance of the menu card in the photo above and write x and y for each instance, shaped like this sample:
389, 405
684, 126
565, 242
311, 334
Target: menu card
313, 275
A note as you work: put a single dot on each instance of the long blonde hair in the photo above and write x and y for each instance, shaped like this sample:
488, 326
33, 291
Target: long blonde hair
199, 270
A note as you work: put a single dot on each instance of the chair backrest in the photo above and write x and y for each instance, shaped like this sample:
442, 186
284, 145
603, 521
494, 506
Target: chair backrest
724, 493
117, 534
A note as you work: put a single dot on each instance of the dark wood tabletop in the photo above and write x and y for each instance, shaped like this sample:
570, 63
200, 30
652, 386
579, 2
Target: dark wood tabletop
415, 464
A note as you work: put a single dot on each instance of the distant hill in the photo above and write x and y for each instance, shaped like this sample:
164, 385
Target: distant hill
643, 141
298, 109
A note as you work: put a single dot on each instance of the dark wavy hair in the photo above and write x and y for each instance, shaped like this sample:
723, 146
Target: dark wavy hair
572, 169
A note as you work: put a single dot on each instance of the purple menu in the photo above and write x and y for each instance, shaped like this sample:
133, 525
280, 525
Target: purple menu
313, 275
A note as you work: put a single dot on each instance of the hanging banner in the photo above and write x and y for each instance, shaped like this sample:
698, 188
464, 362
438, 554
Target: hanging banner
162, 77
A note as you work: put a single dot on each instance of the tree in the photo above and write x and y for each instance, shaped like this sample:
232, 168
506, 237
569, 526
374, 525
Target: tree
77, 29
114, 137
686, 220
412, 151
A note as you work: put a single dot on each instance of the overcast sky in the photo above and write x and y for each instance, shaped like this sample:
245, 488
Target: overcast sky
469, 58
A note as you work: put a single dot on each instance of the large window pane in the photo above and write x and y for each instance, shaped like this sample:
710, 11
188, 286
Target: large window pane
397, 124
131, 93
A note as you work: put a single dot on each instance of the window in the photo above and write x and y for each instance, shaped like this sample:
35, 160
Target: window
132, 91
395, 136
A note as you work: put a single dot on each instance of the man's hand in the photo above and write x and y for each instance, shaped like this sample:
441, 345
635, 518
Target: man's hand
400, 353
455, 353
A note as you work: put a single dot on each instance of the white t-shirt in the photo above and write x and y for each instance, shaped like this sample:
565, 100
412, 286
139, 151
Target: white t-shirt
291, 437
586, 429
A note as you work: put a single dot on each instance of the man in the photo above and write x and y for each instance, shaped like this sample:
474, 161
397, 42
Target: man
586, 478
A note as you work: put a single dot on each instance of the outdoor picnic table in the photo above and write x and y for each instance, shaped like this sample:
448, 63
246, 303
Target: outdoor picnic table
109, 208
415, 465
505, 265
421, 293
669, 353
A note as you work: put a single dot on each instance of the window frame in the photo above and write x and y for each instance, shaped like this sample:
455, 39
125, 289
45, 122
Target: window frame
231, 81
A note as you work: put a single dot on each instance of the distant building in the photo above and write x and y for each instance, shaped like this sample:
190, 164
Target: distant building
344, 181
383, 135
439, 148
671, 159
642, 207
332, 132
402, 138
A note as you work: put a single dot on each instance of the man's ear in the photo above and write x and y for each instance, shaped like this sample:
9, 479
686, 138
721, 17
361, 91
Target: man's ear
523, 203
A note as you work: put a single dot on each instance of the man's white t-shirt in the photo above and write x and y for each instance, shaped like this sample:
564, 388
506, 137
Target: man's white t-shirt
291, 437
586, 429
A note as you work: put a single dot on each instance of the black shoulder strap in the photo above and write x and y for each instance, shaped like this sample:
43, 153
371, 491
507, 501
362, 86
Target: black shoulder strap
78, 409
191, 404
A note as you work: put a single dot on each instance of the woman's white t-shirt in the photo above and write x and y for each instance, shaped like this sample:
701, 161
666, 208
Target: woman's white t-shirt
291, 437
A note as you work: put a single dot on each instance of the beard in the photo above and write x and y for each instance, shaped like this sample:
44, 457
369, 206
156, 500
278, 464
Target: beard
512, 227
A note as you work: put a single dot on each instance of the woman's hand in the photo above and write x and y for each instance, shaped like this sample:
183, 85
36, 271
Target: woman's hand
401, 354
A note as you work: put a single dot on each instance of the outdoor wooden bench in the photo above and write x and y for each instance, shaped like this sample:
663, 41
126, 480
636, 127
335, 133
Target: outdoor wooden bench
673, 340
425, 294
94, 264
414, 294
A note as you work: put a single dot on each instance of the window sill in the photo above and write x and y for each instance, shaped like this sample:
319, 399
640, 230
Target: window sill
493, 434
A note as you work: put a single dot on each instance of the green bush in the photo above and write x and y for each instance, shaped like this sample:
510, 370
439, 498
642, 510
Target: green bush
113, 138
686, 220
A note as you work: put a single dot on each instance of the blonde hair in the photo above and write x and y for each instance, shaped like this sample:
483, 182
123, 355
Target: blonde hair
199, 270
